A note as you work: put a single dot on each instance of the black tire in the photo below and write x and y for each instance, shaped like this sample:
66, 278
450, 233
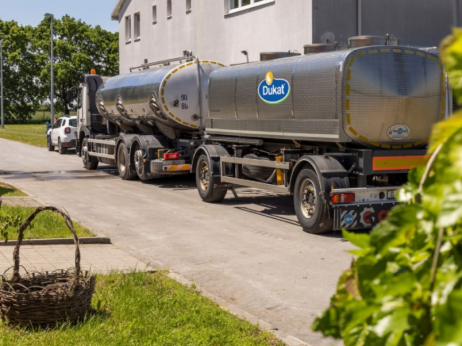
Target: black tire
140, 167
89, 162
123, 160
62, 150
49, 145
205, 182
311, 208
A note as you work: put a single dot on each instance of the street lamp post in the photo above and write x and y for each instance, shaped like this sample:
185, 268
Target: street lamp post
1, 83
52, 115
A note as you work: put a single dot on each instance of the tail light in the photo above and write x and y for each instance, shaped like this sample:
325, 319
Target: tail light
171, 156
343, 198
67, 130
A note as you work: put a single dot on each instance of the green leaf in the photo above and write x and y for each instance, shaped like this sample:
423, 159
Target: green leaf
396, 321
361, 240
448, 321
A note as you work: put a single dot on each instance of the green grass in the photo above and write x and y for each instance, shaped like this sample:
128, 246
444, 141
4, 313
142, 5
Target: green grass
28, 134
10, 191
46, 225
147, 309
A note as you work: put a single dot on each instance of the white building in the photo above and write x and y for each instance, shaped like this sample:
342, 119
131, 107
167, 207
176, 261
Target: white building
220, 30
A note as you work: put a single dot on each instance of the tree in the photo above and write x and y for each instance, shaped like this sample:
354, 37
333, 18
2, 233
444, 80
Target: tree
78, 48
405, 286
20, 66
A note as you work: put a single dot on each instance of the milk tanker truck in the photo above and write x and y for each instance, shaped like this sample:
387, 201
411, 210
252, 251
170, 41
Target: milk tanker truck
337, 130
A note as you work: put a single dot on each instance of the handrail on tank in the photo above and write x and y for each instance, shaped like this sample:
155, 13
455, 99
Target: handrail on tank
187, 54
200, 92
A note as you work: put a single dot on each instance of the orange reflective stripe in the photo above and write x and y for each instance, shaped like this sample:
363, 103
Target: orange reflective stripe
391, 163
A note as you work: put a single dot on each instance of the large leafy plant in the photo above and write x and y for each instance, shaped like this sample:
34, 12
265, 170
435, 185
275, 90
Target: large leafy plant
404, 286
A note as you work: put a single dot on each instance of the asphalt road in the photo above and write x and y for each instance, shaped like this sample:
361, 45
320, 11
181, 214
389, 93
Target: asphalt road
249, 251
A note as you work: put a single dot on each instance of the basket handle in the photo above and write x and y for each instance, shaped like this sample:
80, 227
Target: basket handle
27, 222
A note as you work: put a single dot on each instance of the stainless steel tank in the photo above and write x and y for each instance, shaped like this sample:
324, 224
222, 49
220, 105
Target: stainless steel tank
380, 96
167, 97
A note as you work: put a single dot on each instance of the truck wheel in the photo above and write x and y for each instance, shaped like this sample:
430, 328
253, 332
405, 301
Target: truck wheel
89, 162
139, 165
312, 209
62, 150
123, 161
205, 182
49, 145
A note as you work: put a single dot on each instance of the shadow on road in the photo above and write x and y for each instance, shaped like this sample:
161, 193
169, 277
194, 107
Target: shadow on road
250, 200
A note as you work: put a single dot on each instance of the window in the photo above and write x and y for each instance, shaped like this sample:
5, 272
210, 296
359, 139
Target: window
137, 20
188, 5
57, 124
169, 8
79, 98
128, 29
73, 122
154, 14
237, 5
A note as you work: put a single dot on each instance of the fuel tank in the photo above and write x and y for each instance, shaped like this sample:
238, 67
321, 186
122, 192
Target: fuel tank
376, 96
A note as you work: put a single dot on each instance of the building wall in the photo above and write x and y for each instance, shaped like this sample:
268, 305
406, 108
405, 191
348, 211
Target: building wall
414, 22
213, 34
281, 25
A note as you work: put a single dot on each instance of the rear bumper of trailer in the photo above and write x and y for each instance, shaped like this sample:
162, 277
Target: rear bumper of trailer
357, 216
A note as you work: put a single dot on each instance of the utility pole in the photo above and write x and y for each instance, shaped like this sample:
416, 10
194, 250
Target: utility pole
52, 96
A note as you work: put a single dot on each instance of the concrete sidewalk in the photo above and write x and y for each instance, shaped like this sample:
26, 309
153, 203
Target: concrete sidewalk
95, 258
21, 201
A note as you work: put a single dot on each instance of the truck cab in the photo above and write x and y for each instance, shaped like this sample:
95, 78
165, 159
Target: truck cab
89, 120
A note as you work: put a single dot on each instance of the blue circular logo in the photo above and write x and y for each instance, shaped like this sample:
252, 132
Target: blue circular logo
349, 219
272, 90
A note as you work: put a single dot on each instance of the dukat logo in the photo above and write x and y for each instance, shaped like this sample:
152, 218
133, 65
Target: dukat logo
273, 90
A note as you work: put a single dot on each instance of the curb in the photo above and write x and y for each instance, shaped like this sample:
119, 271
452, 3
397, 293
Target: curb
58, 241
287, 339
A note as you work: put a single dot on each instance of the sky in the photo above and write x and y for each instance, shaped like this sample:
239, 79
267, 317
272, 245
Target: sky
30, 12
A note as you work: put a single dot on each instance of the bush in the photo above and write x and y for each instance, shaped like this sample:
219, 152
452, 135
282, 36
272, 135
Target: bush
405, 286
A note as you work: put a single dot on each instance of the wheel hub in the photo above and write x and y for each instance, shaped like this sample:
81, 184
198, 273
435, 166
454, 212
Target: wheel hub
204, 175
84, 154
308, 199
121, 161
139, 162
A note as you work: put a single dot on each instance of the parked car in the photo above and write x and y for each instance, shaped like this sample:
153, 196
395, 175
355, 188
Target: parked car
62, 134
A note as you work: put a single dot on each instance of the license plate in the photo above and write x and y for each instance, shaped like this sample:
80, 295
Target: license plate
391, 194
173, 162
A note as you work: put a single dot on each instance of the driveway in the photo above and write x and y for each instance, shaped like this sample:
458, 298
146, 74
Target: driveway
249, 251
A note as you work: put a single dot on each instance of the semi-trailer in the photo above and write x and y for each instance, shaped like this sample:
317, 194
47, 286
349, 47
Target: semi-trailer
338, 130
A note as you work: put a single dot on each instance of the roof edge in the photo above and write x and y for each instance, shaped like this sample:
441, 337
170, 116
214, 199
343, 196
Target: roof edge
116, 11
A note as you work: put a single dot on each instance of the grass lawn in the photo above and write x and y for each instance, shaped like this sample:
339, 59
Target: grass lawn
28, 134
10, 191
147, 309
46, 225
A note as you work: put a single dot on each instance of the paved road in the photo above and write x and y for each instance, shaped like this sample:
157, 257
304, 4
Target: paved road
249, 251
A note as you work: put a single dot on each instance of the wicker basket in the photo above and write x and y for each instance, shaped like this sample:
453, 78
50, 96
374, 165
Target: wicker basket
45, 299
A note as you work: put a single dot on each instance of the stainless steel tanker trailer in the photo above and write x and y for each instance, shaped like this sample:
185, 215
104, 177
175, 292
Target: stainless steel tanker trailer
338, 130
